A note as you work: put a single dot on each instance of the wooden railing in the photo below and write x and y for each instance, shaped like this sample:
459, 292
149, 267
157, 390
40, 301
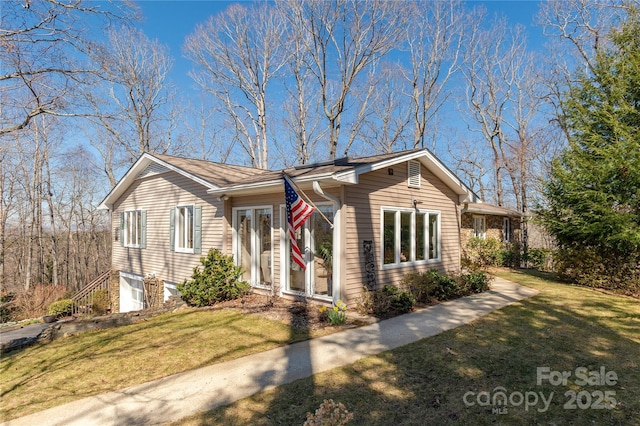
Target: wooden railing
84, 301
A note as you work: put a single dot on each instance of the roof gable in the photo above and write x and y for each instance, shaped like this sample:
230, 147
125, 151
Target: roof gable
226, 179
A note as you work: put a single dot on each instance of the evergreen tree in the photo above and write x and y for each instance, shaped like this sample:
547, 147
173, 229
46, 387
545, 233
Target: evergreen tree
593, 190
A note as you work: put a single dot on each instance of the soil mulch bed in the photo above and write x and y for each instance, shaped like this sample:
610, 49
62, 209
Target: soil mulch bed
302, 315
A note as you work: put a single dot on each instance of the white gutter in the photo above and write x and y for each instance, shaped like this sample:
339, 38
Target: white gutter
338, 253
263, 187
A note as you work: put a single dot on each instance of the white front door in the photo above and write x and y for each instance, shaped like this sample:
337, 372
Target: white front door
252, 244
315, 240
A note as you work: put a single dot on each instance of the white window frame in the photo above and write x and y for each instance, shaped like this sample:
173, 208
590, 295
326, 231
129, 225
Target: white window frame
126, 285
397, 225
414, 174
506, 229
181, 246
132, 218
480, 221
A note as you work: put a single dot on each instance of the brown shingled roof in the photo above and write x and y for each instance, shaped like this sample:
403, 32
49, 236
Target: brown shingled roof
228, 175
218, 174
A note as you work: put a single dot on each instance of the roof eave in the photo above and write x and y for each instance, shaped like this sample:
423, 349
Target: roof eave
465, 194
268, 186
131, 175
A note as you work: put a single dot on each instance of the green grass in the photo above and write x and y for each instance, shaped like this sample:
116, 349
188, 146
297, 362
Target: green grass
90, 363
563, 328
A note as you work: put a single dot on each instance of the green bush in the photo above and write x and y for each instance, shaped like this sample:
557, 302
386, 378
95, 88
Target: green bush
510, 255
474, 282
482, 252
447, 287
432, 285
7, 308
587, 267
421, 285
387, 302
217, 281
100, 301
539, 258
400, 301
61, 308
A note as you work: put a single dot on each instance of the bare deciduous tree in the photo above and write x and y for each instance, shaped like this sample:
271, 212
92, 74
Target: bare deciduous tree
132, 111
492, 61
343, 38
238, 52
434, 37
44, 49
385, 128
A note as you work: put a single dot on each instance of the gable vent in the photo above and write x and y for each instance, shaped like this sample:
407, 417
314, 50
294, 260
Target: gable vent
152, 169
414, 174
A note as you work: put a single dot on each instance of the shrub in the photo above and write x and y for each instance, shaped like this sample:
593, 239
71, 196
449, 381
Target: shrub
388, 301
100, 301
400, 301
539, 258
7, 307
421, 285
432, 285
585, 266
474, 282
35, 302
510, 255
446, 288
217, 281
61, 308
481, 252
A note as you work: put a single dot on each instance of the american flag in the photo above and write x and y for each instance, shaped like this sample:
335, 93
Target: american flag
297, 213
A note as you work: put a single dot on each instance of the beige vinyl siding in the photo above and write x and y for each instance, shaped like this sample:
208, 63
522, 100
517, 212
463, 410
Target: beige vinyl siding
157, 195
364, 201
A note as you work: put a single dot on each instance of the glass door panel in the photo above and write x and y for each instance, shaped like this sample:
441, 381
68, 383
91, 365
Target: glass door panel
297, 276
244, 243
322, 237
253, 245
315, 239
263, 244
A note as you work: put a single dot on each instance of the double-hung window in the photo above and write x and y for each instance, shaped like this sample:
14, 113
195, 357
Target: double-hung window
506, 229
133, 228
186, 229
410, 236
479, 226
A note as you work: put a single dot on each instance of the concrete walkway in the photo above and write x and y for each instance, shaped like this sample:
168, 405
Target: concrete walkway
181, 395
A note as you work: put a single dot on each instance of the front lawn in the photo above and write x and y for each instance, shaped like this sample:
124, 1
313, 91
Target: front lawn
70, 368
564, 328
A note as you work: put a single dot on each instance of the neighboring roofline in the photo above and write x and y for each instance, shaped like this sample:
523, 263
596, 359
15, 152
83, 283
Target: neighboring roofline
491, 209
131, 175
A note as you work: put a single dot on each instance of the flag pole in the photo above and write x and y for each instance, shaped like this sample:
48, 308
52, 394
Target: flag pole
308, 199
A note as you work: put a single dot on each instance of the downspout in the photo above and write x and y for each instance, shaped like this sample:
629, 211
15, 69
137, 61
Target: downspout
337, 246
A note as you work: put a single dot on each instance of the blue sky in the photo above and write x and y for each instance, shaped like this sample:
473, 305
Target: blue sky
170, 21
